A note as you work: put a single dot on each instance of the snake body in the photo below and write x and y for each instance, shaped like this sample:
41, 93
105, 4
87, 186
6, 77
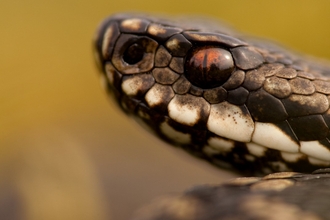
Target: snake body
235, 101
277, 196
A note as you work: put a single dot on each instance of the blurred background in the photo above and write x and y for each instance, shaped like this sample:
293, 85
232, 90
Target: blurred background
65, 151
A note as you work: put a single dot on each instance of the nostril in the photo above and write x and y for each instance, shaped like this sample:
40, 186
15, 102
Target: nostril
134, 54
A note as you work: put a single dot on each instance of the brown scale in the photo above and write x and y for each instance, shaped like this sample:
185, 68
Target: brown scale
235, 80
277, 87
178, 45
215, 95
167, 94
254, 79
177, 64
247, 57
162, 57
165, 75
161, 32
182, 85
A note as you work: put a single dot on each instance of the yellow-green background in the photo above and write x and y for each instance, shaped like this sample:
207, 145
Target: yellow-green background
65, 152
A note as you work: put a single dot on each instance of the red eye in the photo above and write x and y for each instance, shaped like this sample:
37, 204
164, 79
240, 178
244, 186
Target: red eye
209, 67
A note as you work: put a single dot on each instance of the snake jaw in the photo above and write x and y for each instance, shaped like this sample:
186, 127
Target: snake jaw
250, 105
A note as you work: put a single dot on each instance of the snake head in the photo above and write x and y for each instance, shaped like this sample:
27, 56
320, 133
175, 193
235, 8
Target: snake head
236, 102
157, 68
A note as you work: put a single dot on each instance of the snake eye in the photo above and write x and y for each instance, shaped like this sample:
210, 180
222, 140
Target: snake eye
134, 54
209, 67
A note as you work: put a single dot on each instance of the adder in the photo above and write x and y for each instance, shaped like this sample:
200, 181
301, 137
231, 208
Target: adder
238, 102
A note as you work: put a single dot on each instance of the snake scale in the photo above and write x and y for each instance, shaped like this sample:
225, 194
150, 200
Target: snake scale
238, 102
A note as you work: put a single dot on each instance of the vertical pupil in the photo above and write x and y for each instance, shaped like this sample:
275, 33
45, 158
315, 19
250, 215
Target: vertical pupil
133, 54
209, 67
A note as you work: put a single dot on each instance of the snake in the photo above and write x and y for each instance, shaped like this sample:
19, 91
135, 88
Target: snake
236, 101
